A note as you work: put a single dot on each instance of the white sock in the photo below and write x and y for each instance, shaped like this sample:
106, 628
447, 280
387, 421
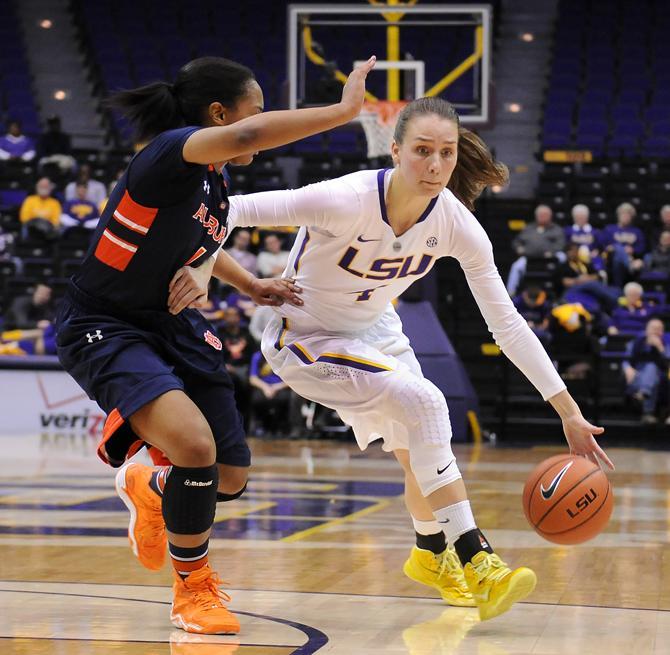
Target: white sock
426, 527
455, 520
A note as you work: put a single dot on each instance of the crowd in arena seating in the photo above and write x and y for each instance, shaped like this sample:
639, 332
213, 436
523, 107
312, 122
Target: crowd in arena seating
44, 235
581, 288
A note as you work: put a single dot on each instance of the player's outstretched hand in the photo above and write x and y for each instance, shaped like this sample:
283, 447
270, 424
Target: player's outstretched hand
275, 291
188, 288
580, 435
353, 93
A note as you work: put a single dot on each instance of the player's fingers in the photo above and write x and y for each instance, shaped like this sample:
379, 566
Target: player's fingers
595, 429
183, 284
270, 300
200, 301
284, 291
603, 456
289, 283
176, 277
368, 65
182, 300
178, 283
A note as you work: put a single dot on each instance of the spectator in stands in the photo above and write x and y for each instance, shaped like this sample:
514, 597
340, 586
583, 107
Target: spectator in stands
625, 245
272, 260
41, 212
6, 246
95, 191
15, 146
238, 347
239, 251
578, 281
540, 239
80, 212
31, 311
584, 234
658, 260
632, 313
240, 301
54, 147
212, 308
237, 342
664, 218
535, 307
271, 398
646, 368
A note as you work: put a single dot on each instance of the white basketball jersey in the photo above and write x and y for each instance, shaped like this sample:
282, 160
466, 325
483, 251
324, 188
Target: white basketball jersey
350, 264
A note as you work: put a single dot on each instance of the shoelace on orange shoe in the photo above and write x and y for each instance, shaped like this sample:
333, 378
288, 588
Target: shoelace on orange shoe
491, 567
449, 564
155, 533
208, 594
155, 526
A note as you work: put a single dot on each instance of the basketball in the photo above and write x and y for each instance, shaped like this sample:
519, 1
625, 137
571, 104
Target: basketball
567, 499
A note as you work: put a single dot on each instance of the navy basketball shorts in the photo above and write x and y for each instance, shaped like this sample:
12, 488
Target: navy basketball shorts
125, 363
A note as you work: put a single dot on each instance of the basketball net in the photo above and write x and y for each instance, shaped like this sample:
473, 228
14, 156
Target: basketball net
378, 120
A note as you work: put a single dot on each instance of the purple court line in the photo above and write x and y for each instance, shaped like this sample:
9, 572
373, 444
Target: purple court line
315, 638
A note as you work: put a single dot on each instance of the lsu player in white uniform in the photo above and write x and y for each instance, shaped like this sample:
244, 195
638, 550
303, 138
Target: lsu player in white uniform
364, 239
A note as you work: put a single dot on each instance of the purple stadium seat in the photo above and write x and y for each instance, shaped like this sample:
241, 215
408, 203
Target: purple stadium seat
657, 146
660, 128
12, 197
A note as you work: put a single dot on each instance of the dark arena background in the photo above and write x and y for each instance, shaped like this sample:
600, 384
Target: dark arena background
574, 97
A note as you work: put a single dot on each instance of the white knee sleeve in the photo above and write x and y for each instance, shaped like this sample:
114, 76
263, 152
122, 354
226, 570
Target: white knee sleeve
433, 466
421, 406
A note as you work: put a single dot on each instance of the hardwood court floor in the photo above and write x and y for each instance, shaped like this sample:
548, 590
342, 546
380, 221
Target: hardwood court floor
313, 555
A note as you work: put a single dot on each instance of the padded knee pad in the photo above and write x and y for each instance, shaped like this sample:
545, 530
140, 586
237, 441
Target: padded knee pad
423, 408
189, 499
224, 498
433, 466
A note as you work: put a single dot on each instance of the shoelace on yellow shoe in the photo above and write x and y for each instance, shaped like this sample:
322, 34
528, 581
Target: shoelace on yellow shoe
208, 593
491, 567
451, 564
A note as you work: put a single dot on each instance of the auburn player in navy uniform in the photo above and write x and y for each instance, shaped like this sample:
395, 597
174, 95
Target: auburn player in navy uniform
158, 373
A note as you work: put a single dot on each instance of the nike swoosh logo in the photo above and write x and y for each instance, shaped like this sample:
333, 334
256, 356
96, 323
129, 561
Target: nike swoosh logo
441, 471
445, 521
549, 492
362, 240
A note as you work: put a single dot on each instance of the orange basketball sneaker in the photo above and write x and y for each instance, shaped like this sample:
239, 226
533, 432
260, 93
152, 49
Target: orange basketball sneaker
198, 604
146, 530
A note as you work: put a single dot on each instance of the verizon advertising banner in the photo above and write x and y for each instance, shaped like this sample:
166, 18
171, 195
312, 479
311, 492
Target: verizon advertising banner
46, 402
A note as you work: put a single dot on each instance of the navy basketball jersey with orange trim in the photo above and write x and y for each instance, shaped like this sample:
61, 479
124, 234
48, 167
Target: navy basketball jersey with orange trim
164, 213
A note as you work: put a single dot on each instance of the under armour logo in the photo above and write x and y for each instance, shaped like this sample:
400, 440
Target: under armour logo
205, 186
97, 335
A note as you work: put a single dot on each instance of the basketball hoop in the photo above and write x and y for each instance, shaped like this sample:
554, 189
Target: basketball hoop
378, 120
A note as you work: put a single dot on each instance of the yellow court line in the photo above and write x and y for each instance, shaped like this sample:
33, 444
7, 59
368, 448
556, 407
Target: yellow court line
292, 496
297, 536
10, 500
464, 66
244, 512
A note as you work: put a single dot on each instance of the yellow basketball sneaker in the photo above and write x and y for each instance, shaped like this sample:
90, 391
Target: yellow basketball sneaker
494, 586
146, 530
443, 571
198, 606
